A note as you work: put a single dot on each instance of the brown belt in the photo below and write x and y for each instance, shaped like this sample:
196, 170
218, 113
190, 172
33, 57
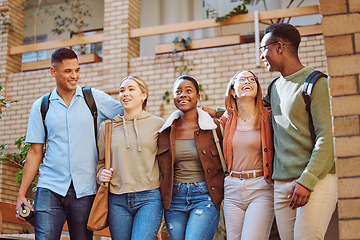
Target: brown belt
247, 174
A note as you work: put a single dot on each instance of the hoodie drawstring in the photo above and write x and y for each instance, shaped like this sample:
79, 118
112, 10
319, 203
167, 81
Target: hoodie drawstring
137, 135
127, 134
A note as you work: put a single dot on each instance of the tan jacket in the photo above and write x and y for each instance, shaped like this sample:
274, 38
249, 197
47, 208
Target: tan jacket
133, 153
209, 157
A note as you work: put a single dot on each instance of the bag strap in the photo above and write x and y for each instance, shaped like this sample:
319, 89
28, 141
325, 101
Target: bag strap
90, 102
45, 102
306, 94
108, 133
270, 86
221, 155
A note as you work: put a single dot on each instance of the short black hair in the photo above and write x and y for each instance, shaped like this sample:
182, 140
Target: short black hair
62, 53
285, 32
187, 77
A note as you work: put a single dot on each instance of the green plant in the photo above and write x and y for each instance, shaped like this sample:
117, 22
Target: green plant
67, 17
4, 103
182, 44
241, 9
6, 25
78, 10
17, 158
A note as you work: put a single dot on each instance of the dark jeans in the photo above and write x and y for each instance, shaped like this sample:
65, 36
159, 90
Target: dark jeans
51, 211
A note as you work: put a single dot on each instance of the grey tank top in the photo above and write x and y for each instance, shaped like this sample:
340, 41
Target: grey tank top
188, 166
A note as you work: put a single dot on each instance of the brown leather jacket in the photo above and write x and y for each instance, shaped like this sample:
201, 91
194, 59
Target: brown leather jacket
209, 157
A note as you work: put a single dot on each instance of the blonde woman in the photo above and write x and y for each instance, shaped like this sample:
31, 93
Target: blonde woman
135, 207
248, 151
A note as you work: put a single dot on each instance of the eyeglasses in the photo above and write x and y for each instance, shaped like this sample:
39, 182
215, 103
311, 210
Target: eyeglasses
266, 46
251, 79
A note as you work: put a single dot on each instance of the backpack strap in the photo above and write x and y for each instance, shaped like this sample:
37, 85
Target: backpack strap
90, 102
45, 102
306, 94
270, 86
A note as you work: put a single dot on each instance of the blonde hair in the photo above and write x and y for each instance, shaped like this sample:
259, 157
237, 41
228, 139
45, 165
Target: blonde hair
230, 101
142, 85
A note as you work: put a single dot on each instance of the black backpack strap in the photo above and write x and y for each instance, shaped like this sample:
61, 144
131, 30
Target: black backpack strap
306, 94
270, 86
45, 102
90, 102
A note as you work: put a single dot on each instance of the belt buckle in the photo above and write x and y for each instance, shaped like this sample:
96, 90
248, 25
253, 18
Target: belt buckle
241, 178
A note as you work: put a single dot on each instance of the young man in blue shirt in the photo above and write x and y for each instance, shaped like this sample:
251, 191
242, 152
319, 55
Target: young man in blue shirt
67, 182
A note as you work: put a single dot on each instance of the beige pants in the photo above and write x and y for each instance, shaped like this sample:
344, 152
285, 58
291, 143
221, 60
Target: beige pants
248, 208
311, 221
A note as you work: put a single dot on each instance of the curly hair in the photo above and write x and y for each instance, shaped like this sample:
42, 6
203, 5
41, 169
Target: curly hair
285, 33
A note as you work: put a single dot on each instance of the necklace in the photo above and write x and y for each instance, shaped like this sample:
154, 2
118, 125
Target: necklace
246, 119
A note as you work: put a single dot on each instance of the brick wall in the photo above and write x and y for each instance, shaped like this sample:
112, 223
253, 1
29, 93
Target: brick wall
341, 32
213, 68
117, 48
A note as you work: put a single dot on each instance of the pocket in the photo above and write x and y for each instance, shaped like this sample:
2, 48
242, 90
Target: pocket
43, 199
162, 149
176, 188
214, 152
201, 187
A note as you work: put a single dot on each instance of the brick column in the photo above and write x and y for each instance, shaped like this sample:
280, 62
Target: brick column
14, 38
341, 30
119, 18
9, 65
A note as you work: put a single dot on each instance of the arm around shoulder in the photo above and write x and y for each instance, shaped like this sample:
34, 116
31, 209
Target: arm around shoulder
107, 106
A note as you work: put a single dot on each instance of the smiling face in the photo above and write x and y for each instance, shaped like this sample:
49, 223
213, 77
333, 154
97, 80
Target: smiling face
270, 52
66, 74
185, 95
245, 85
131, 96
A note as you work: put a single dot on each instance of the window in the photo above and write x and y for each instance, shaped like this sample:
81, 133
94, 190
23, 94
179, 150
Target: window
88, 48
34, 56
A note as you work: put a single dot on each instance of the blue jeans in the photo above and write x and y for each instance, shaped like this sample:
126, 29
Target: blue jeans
192, 214
52, 209
135, 216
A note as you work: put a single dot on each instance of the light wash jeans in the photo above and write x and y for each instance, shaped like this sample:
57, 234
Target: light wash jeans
248, 208
311, 221
52, 209
192, 214
135, 216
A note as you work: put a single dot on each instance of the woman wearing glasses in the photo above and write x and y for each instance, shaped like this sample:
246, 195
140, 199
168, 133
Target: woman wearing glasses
248, 151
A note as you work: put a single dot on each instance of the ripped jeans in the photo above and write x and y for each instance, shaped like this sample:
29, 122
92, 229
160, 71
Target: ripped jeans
192, 214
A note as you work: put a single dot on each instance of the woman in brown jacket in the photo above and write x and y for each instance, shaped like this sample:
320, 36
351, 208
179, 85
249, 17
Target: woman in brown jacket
192, 176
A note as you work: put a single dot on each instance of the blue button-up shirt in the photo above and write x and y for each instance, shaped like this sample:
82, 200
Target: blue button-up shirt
71, 154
